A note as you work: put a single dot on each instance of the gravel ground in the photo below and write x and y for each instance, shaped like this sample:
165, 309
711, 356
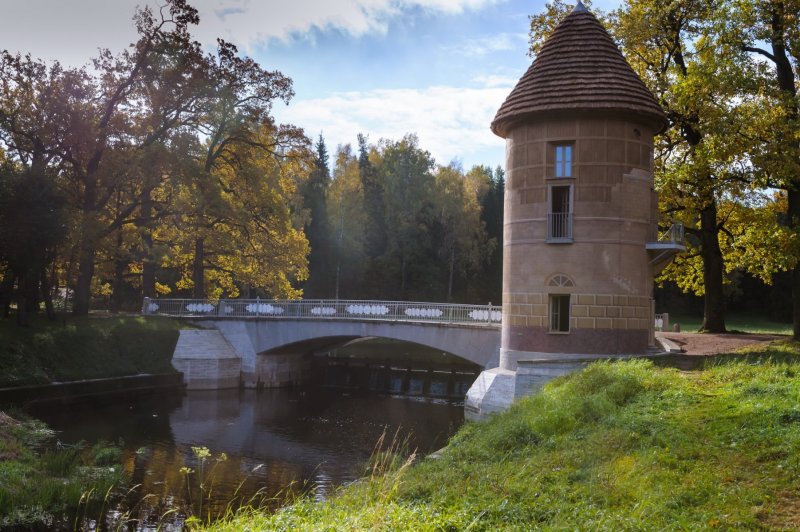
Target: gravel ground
711, 344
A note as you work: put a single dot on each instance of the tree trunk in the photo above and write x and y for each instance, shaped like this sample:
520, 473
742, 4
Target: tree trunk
22, 301
713, 271
403, 276
785, 77
198, 272
119, 276
6, 289
117, 295
47, 295
31, 293
148, 261
27, 293
450, 276
83, 289
794, 223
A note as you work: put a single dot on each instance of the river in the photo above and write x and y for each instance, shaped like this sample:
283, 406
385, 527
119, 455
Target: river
269, 444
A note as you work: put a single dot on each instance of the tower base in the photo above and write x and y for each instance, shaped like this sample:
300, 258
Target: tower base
496, 389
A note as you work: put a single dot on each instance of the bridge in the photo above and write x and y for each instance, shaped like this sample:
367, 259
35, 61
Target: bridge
254, 342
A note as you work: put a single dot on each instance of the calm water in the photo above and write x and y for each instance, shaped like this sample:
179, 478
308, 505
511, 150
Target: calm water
276, 442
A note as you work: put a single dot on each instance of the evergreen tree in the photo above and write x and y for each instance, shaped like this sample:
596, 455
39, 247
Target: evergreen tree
374, 208
320, 259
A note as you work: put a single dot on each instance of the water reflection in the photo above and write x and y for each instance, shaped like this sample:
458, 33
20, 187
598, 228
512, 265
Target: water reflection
275, 442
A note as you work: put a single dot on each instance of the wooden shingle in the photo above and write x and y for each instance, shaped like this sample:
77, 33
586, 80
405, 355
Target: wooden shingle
579, 68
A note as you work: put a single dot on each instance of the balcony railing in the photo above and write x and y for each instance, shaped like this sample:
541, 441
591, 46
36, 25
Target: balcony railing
672, 235
559, 227
319, 309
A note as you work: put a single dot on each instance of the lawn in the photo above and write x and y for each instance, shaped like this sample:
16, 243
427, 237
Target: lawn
749, 323
618, 446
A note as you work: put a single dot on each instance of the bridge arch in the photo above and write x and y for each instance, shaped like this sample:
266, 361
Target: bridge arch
252, 338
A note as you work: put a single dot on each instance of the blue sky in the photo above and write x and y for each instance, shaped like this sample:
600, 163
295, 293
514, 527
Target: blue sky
437, 68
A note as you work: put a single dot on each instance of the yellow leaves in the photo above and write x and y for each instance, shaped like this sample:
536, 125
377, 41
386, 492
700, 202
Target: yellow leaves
162, 289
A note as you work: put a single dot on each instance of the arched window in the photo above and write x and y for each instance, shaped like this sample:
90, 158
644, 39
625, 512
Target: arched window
560, 281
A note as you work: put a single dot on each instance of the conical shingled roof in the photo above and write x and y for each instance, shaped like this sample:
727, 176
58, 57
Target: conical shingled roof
578, 68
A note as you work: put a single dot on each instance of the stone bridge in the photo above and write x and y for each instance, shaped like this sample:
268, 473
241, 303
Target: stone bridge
262, 343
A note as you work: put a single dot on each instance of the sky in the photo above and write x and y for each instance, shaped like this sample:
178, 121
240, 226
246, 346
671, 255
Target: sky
437, 68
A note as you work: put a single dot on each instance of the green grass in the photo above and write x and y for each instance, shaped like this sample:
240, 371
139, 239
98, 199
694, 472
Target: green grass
85, 348
618, 446
44, 487
748, 323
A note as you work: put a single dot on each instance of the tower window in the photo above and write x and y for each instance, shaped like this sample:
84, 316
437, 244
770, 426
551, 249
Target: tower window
559, 312
563, 160
559, 215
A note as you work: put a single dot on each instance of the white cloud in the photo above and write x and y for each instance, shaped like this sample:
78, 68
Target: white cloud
494, 80
73, 30
494, 43
451, 122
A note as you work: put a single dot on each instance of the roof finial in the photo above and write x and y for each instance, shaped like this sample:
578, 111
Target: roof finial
579, 7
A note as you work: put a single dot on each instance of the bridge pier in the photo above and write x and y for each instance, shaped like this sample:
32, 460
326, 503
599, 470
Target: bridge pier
281, 370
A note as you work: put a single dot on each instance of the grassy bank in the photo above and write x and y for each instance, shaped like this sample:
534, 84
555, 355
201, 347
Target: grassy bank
747, 323
623, 446
85, 348
44, 486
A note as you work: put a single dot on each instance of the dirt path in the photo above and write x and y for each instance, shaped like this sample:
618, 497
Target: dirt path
711, 344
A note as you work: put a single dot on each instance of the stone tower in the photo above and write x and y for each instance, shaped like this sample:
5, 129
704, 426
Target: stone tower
580, 209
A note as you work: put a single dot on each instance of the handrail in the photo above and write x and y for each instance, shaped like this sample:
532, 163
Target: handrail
321, 309
674, 234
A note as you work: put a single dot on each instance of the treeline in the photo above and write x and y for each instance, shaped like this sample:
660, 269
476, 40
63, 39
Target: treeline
727, 166
159, 170
387, 223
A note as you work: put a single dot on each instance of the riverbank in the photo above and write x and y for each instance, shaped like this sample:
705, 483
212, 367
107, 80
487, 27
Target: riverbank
76, 349
617, 446
47, 486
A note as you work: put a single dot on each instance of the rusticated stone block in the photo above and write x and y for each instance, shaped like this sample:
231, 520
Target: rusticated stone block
580, 310
604, 299
603, 323
597, 312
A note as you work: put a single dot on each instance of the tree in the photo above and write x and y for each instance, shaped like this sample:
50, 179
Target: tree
87, 124
407, 186
314, 193
155, 128
347, 219
679, 52
32, 225
769, 32
489, 285
463, 244
248, 235
241, 99
375, 209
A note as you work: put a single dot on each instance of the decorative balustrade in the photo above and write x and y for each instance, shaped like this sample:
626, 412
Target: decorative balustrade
325, 309
559, 227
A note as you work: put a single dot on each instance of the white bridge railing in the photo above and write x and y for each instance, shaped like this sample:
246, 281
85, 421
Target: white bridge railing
317, 309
